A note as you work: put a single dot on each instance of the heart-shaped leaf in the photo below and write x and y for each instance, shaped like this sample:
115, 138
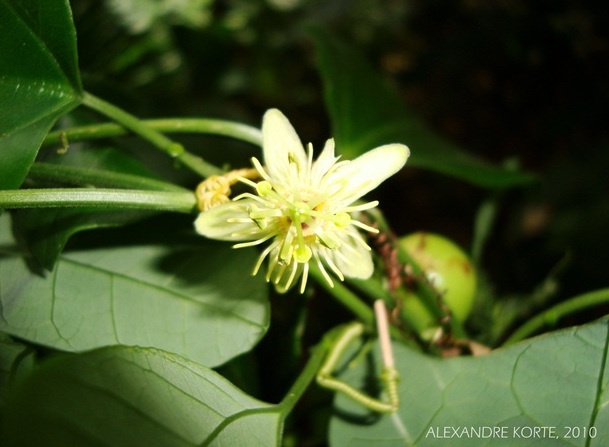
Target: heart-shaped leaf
39, 79
199, 300
551, 390
135, 397
366, 112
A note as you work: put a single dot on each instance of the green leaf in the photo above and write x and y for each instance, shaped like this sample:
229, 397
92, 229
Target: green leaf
39, 79
366, 112
46, 231
560, 380
16, 361
197, 300
136, 397
98, 158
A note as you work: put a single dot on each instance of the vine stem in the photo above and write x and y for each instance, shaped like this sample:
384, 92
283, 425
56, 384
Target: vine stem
553, 314
243, 132
306, 376
347, 298
183, 202
170, 147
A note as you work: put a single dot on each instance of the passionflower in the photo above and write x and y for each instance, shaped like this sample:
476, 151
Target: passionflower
307, 210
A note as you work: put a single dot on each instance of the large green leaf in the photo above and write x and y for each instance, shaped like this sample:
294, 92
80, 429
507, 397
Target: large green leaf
136, 397
366, 112
197, 300
560, 380
39, 79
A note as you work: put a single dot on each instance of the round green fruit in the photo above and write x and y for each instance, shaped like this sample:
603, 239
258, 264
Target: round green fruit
447, 268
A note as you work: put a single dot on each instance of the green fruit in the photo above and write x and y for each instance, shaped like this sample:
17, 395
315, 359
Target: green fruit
448, 269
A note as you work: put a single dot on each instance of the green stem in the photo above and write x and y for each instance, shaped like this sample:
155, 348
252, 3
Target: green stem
305, 378
77, 176
230, 129
183, 202
170, 147
553, 314
347, 298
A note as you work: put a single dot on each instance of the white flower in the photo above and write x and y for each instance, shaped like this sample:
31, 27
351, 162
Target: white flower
305, 208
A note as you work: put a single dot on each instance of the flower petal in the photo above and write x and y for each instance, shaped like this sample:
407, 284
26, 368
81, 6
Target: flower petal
229, 222
324, 162
353, 258
281, 146
369, 170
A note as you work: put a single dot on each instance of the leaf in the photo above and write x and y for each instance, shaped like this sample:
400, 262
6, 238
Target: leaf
136, 397
366, 112
560, 380
46, 231
39, 79
16, 361
196, 300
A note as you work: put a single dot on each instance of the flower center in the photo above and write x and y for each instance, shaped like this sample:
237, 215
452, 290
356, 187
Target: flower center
299, 213
308, 222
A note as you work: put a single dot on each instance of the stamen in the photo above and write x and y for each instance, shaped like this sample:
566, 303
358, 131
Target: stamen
261, 170
247, 181
328, 260
249, 195
292, 275
322, 269
263, 255
280, 273
252, 243
302, 253
316, 200
274, 260
342, 220
328, 239
339, 254
287, 248
363, 226
337, 164
361, 207
264, 188
305, 275
356, 236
